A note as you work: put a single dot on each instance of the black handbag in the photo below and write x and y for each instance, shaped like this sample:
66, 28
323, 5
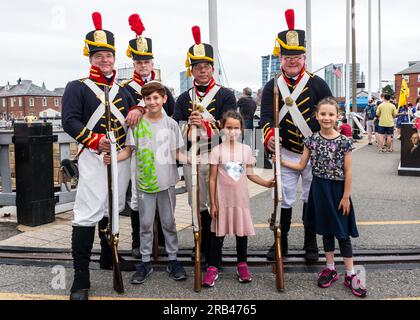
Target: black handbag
70, 168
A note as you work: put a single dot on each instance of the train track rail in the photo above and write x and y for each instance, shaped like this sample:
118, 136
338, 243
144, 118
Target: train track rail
256, 258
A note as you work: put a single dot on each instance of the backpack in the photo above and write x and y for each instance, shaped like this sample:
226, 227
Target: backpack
371, 112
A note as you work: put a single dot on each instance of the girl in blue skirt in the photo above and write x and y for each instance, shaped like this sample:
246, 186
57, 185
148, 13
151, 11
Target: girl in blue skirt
329, 211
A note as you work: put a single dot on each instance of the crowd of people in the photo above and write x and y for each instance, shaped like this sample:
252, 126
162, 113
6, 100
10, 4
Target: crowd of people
154, 132
384, 119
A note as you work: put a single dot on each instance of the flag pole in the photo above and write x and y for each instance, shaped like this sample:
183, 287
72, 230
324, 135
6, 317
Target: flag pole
380, 46
353, 56
214, 40
308, 35
348, 48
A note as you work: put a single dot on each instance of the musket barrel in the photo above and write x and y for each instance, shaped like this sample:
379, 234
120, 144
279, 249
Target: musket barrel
113, 207
196, 203
275, 218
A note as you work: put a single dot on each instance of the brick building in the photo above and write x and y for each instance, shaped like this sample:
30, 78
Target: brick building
412, 76
27, 99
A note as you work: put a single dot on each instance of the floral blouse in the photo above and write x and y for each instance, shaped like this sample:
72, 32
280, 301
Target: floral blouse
327, 155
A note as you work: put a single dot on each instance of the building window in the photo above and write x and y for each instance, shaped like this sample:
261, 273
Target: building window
12, 102
31, 102
3, 102
20, 102
44, 102
418, 92
56, 102
406, 78
418, 78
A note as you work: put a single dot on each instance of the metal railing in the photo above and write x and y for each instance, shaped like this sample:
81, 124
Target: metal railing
7, 195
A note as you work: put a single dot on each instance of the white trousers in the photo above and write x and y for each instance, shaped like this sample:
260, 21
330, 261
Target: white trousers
91, 203
290, 178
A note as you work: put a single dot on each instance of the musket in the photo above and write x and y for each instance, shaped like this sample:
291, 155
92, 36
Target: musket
113, 207
196, 216
275, 217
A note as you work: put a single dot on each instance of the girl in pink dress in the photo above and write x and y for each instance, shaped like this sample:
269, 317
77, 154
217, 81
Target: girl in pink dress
231, 163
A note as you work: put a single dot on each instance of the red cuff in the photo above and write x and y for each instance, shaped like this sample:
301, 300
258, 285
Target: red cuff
93, 143
270, 133
141, 108
209, 130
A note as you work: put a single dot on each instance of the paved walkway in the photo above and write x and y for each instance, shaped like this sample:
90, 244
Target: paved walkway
58, 233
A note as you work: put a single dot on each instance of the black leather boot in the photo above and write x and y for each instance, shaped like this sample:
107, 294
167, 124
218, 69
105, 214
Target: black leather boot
81, 244
205, 231
105, 259
310, 244
135, 234
285, 220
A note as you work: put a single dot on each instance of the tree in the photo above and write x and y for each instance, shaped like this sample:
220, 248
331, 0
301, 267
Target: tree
388, 90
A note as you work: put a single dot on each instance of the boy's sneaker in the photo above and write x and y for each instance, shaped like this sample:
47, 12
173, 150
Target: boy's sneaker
176, 270
143, 270
327, 277
243, 273
353, 282
210, 277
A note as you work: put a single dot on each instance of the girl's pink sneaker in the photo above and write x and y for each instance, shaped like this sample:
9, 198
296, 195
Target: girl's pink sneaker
243, 273
210, 277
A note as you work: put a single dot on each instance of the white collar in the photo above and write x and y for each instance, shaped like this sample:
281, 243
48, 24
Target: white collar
148, 78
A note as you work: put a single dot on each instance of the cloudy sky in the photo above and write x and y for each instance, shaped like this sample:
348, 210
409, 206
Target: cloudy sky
43, 40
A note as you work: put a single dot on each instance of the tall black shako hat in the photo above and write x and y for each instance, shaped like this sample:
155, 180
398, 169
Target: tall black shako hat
139, 48
200, 52
290, 42
99, 39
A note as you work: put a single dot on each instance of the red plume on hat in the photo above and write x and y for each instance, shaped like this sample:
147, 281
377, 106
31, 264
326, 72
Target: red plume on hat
136, 25
290, 18
196, 34
97, 20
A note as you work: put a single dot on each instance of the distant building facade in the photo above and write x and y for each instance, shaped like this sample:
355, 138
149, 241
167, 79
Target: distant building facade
358, 77
334, 78
27, 99
412, 77
126, 72
185, 82
270, 65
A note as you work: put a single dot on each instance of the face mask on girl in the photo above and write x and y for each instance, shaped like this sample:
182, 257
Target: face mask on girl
231, 134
